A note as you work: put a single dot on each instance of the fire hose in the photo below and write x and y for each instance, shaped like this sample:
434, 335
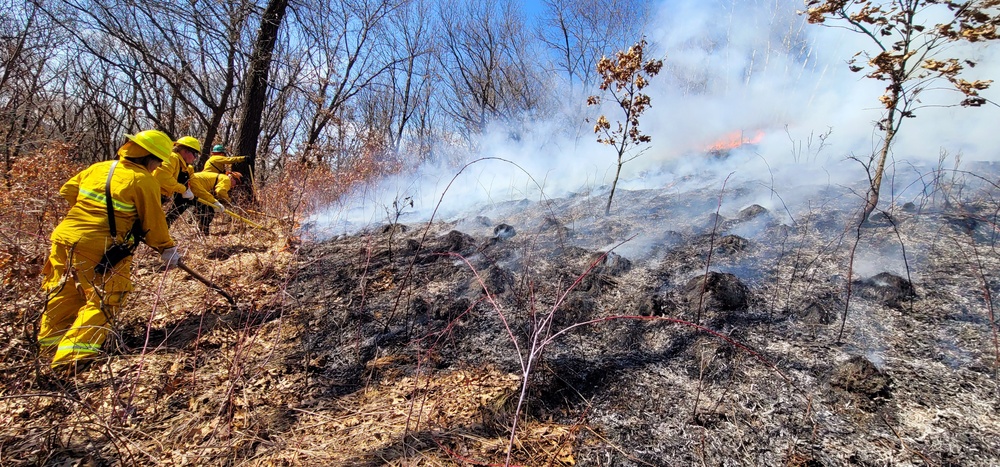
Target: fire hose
236, 216
258, 213
204, 280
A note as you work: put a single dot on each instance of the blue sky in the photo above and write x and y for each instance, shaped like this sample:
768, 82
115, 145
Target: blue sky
531, 8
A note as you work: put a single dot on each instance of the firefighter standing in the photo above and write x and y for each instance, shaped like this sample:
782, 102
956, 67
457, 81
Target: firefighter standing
87, 275
218, 162
216, 188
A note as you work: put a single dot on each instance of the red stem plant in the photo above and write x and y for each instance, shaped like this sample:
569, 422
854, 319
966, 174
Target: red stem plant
542, 334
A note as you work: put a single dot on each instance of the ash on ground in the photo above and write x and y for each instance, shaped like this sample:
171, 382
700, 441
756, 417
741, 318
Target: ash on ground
671, 334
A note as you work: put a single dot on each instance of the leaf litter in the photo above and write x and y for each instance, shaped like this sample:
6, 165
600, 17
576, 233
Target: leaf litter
394, 346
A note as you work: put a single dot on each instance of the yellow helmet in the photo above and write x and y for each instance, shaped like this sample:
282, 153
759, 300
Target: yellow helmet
190, 142
154, 141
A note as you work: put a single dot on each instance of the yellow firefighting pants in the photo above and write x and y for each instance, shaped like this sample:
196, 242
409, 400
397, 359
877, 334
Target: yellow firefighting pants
79, 302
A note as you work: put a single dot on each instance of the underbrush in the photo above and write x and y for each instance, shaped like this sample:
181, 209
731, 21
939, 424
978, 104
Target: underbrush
426, 345
171, 386
30, 207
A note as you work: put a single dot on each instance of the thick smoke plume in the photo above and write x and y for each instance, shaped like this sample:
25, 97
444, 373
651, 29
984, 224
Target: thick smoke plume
750, 71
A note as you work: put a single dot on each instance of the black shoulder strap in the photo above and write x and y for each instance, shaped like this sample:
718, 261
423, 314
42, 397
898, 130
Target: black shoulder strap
109, 202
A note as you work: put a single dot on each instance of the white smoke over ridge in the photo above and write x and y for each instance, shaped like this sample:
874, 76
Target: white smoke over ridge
749, 66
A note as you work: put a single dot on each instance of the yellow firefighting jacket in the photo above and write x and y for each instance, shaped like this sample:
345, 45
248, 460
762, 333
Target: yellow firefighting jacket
168, 175
219, 164
135, 194
212, 185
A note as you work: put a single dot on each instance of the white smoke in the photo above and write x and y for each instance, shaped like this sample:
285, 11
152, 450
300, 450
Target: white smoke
749, 66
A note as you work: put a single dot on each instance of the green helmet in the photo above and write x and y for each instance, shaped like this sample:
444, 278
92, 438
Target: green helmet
218, 148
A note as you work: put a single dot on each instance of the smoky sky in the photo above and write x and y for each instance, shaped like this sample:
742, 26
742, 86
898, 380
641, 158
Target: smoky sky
749, 68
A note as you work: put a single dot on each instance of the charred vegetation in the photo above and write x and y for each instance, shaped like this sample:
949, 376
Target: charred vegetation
682, 341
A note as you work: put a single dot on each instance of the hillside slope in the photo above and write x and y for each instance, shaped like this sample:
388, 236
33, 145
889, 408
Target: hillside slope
408, 344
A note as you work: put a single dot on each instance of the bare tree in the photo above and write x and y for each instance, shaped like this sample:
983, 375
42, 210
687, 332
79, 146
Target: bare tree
88, 118
411, 80
483, 60
27, 57
336, 80
255, 92
211, 70
347, 53
181, 69
580, 32
282, 120
907, 56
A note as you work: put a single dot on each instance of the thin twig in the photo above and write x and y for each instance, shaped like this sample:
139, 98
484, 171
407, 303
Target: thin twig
711, 246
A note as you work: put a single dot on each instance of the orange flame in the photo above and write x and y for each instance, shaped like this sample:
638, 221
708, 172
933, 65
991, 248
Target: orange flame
734, 140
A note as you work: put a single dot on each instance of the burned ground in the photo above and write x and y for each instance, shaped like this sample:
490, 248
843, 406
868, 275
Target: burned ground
668, 333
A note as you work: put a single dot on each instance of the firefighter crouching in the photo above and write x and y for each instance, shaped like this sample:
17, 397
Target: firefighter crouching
216, 188
174, 176
87, 274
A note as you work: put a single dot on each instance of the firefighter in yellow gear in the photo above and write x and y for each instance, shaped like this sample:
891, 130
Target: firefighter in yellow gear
174, 177
88, 269
218, 162
217, 187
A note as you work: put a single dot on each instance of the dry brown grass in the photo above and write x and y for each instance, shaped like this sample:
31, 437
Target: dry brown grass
191, 380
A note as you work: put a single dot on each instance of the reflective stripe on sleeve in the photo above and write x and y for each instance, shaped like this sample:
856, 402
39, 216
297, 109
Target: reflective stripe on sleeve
100, 199
50, 341
80, 347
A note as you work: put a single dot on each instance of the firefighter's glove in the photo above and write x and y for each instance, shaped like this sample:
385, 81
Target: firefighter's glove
170, 257
218, 207
188, 194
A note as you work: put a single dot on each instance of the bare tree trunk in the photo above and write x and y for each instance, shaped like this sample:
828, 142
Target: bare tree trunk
256, 91
614, 184
21, 70
876, 181
873, 192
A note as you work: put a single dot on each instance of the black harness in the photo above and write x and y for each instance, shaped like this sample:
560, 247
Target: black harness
108, 202
118, 250
183, 176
